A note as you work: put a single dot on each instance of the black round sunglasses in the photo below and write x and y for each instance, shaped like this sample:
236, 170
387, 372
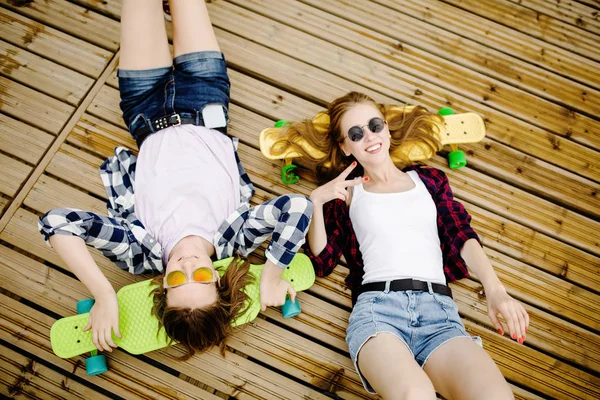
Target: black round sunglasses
357, 132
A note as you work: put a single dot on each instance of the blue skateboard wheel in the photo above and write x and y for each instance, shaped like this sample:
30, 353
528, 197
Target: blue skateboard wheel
95, 365
84, 306
290, 309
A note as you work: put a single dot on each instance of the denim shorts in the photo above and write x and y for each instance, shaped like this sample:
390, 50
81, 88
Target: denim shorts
422, 320
194, 81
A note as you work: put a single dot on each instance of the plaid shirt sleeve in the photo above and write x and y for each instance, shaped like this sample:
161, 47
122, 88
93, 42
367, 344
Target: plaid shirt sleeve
326, 261
455, 219
114, 237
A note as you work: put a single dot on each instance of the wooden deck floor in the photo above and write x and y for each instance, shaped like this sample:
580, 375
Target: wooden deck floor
528, 66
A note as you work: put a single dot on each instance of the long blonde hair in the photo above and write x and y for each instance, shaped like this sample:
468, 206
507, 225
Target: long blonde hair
406, 124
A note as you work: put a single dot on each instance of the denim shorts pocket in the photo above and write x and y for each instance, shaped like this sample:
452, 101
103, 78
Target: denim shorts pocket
444, 301
138, 122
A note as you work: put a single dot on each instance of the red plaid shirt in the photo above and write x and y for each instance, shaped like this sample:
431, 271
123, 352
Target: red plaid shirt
453, 229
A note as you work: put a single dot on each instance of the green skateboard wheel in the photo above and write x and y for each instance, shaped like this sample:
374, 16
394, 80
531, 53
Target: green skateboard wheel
457, 159
288, 176
290, 309
95, 365
281, 123
445, 111
84, 306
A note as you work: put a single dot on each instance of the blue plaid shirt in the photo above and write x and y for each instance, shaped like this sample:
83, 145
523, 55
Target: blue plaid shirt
121, 236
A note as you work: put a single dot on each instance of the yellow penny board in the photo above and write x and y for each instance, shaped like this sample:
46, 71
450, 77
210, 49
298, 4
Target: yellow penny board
456, 129
139, 327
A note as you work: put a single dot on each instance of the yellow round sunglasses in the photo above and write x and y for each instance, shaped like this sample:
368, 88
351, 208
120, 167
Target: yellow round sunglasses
199, 275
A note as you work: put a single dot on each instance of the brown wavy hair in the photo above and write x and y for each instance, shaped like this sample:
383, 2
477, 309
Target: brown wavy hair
199, 329
407, 125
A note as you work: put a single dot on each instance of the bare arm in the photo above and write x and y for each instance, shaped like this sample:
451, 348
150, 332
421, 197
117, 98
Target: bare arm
317, 236
74, 252
499, 302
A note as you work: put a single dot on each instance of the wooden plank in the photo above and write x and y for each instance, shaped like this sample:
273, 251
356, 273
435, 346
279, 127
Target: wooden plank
535, 248
570, 12
444, 75
506, 40
72, 19
551, 333
530, 368
553, 294
22, 140
13, 174
33, 107
538, 25
43, 75
52, 44
574, 13
80, 168
3, 203
23, 377
127, 377
385, 78
518, 205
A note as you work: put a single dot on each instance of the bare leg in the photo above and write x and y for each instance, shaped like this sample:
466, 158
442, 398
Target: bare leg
460, 369
144, 43
192, 30
392, 371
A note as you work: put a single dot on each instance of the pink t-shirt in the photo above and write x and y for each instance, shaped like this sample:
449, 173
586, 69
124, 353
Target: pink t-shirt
186, 183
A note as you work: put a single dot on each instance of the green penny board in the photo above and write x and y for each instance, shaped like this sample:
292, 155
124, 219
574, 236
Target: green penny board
139, 327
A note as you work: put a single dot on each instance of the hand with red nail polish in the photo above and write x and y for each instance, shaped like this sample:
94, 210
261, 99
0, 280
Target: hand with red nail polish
501, 303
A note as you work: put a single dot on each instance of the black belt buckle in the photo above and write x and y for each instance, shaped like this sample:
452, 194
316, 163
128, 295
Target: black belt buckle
164, 122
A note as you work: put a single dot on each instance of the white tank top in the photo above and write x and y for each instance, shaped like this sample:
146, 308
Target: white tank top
397, 234
186, 183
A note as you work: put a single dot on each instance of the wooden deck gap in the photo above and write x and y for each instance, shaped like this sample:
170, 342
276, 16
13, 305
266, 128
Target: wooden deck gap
9, 155
67, 374
47, 263
17, 9
575, 49
272, 82
36, 89
73, 185
517, 295
329, 393
482, 43
303, 335
488, 75
60, 139
541, 194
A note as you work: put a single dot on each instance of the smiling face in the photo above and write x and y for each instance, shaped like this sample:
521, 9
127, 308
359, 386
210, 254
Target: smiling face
374, 148
192, 295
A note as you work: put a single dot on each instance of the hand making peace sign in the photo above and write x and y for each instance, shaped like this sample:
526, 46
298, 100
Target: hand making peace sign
336, 188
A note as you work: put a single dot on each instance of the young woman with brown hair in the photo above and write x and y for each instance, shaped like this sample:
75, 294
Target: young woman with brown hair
191, 199
404, 238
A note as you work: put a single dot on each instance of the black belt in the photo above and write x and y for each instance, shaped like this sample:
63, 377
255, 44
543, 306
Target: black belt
164, 122
406, 284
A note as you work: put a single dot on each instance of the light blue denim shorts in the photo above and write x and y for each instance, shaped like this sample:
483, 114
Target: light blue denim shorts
422, 320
